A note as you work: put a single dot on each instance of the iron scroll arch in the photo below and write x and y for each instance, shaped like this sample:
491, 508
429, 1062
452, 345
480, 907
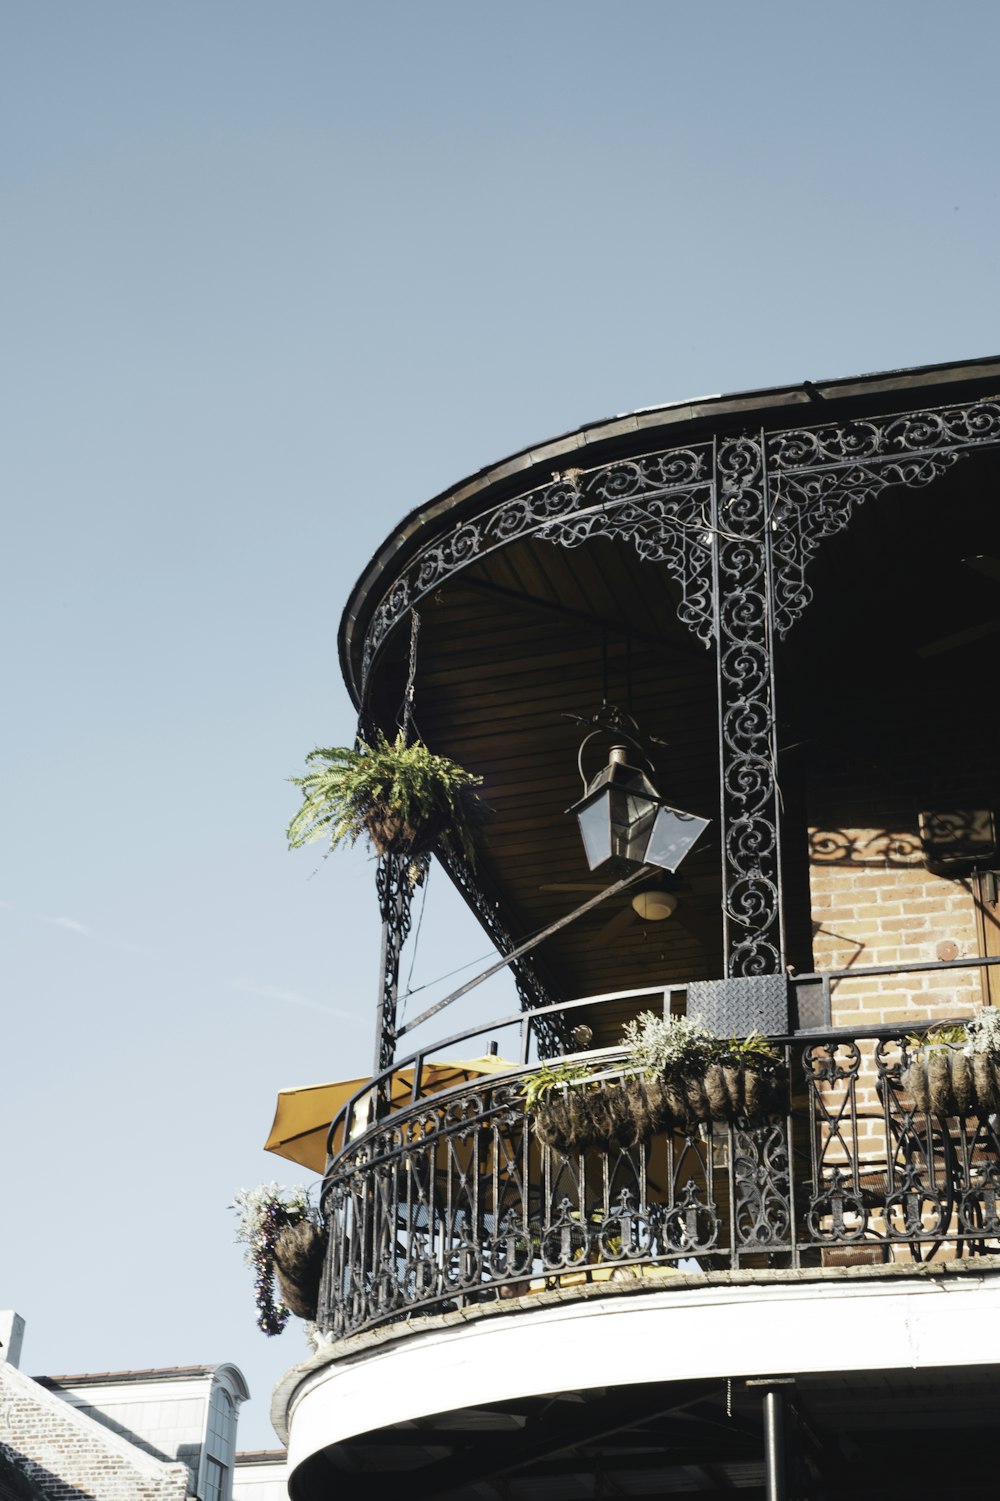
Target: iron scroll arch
736, 520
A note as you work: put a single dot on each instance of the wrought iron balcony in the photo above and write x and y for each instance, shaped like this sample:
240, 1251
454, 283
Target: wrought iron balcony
455, 1200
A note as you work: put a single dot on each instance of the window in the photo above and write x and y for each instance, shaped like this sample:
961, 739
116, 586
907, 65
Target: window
215, 1480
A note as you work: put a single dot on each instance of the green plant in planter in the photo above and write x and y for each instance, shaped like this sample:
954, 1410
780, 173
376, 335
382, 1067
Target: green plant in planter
954, 1068
558, 1096
676, 1074
691, 1076
401, 798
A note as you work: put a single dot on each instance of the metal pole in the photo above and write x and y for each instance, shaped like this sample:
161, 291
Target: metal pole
527, 946
395, 895
774, 1445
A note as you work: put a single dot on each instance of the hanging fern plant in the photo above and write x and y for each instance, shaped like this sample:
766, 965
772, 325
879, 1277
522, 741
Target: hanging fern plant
401, 798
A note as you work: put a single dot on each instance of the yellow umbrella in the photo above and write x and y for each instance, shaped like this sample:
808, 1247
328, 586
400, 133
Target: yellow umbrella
302, 1117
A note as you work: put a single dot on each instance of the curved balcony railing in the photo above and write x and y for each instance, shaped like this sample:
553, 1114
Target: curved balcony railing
454, 1200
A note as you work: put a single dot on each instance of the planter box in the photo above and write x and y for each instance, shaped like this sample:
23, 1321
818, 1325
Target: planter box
625, 1114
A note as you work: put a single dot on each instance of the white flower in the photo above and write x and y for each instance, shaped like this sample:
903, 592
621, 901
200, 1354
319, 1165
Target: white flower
253, 1205
984, 1033
660, 1044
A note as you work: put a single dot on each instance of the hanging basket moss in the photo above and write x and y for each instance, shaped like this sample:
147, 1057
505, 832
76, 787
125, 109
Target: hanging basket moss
952, 1083
299, 1254
392, 833
954, 1068
677, 1077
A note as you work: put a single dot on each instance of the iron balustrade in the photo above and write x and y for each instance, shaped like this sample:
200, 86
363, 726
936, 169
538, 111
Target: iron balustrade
454, 1200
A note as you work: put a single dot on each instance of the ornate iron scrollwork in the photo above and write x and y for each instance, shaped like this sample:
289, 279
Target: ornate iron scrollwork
626, 1233
510, 1252
692, 1225
837, 1214
751, 850
979, 1206
820, 474
915, 1211
762, 1210
394, 884
578, 499
565, 1241
673, 528
737, 535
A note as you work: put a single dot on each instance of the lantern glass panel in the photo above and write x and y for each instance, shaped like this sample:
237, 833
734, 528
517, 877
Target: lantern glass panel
640, 815
595, 830
674, 833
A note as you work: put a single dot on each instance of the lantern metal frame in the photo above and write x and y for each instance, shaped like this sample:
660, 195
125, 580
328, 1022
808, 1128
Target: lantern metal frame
624, 821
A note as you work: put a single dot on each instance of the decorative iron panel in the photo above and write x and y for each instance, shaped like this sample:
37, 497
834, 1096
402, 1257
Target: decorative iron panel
395, 879
455, 1202
736, 524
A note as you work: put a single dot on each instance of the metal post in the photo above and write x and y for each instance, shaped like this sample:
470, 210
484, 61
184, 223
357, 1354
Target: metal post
774, 1445
395, 894
750, 807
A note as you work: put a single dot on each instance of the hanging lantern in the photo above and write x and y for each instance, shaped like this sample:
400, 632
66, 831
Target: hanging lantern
625, 823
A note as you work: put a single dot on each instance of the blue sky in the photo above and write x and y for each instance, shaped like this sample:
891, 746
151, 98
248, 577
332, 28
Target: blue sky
273, 275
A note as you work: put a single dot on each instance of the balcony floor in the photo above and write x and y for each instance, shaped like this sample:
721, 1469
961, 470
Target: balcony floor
662, 1395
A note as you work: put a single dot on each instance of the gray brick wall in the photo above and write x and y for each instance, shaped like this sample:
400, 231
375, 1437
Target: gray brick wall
66, 1456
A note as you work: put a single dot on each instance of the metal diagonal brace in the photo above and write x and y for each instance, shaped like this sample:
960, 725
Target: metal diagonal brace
528, 945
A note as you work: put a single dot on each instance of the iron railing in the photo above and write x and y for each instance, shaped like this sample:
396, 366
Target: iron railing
454, 1200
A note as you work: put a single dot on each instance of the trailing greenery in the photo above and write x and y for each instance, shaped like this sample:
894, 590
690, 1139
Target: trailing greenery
938, 1039
552, 1076
753, 1051
400, 797
659, 1045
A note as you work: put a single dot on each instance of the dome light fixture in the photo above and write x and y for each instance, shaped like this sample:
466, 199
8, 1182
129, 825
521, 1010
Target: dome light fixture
655, 904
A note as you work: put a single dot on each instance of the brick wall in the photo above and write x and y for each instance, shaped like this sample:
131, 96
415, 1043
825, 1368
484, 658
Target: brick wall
69, 1457
874, 902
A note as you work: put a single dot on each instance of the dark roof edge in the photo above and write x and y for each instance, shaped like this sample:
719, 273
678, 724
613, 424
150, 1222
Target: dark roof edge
807, 394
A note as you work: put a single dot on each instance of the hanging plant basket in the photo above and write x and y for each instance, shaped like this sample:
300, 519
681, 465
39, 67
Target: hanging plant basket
390, 832
951, 1082
954, 1067
727, 1094
299, 1254
678, 1076
402, 798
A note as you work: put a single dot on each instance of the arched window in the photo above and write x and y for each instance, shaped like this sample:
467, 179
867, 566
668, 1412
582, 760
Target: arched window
219, 1446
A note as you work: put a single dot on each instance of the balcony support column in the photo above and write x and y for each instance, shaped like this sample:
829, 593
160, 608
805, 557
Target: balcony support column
774, 1445
743, 630
394, 884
